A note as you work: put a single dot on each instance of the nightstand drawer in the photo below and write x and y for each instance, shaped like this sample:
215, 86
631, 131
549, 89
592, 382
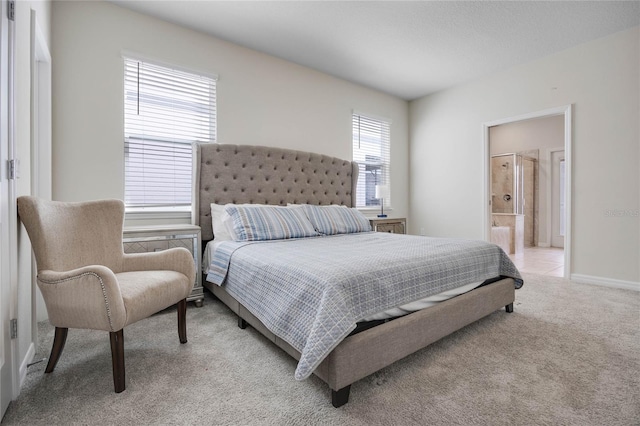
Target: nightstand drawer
395, 226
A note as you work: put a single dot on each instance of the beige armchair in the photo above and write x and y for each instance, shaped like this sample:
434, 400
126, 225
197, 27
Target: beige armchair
87, 281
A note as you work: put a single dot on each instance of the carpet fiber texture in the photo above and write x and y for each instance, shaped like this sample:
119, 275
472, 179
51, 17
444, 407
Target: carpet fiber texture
569, 354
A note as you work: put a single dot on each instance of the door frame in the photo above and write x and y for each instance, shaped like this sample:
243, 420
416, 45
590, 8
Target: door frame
8, 211
567, 112
41, 150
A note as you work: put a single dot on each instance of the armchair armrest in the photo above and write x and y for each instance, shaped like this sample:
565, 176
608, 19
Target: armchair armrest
87, 297
174, 259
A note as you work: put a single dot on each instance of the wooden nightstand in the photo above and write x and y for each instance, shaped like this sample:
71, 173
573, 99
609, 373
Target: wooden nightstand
144, 239
393, 225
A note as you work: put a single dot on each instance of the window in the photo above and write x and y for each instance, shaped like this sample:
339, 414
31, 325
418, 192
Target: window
166, 111
371, 142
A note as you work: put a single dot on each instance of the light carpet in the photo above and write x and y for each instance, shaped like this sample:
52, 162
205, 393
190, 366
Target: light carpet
569, 354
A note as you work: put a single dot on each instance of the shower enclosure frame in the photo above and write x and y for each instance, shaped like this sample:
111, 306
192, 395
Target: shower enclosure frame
518, 186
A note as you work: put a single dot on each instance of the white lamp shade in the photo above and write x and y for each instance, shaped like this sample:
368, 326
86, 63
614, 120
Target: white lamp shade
382, 191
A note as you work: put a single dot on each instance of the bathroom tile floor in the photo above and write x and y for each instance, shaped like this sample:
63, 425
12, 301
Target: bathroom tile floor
540, 260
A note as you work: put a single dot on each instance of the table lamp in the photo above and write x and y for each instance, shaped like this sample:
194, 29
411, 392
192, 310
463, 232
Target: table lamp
382, 192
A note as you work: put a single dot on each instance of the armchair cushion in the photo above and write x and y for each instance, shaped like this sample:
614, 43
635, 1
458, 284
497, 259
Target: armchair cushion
146, 292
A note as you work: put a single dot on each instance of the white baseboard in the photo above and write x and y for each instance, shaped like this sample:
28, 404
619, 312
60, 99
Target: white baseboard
606, 282
31, 352
543, 244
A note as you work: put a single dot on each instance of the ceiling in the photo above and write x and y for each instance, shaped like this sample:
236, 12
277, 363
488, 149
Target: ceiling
408, 49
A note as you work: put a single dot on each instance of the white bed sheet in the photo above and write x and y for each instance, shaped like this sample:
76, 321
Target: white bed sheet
389, 313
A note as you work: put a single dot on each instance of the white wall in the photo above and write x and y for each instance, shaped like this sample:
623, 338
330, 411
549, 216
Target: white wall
262, 100
601, 80
542, 134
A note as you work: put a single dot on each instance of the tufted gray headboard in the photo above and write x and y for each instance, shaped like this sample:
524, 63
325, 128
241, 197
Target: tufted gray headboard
263, 175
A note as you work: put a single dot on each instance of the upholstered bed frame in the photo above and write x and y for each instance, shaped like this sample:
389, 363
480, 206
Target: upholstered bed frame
253, 174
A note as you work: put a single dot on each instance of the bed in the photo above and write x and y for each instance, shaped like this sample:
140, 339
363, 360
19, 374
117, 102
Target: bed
244, 174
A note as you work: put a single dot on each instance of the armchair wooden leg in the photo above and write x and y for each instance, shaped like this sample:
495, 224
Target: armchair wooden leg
117, 359
58, 345
182, 320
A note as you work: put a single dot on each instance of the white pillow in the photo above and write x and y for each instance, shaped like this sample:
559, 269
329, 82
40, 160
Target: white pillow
219, 222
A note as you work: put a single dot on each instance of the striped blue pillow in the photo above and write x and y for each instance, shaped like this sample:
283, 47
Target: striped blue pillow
261, 222
334, 219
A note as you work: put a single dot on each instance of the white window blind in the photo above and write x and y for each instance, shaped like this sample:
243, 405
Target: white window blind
166, 111
371, 150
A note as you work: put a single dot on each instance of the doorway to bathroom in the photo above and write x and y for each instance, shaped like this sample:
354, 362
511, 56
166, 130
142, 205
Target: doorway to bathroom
528, 194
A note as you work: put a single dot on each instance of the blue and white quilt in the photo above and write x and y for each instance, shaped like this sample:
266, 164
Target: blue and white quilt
311, 292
